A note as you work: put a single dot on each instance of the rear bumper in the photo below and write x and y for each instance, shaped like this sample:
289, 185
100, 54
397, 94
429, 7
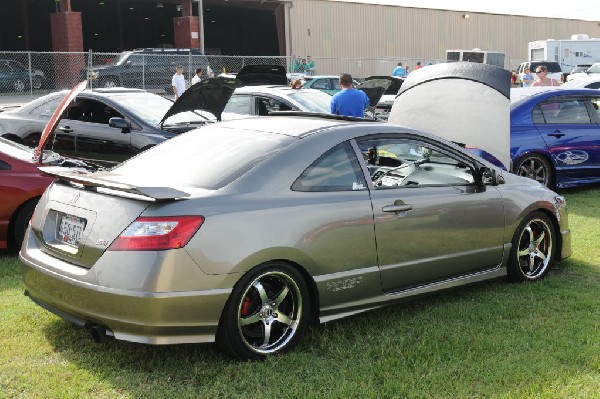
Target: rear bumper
136, 316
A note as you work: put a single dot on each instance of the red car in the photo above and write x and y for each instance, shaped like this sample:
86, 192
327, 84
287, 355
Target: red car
21, 185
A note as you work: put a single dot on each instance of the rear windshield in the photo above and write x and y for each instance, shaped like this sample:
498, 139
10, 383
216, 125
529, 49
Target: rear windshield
210, 158
553, 67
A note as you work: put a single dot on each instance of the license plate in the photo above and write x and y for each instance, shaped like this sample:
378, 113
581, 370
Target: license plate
70, 229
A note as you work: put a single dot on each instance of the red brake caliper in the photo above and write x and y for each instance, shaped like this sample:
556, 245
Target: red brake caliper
246, 307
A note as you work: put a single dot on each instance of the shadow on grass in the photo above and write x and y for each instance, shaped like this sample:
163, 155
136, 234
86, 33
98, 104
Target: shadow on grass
470, 341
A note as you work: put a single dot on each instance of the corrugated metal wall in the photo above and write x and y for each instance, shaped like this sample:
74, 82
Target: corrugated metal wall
366, 39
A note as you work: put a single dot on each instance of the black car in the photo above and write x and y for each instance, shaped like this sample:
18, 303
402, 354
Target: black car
102, 125
148, 68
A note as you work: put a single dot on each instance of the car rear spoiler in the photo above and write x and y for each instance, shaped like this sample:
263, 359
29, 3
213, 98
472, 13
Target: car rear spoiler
98, 180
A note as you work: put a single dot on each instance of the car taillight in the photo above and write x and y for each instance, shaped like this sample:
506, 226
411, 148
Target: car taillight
157, 233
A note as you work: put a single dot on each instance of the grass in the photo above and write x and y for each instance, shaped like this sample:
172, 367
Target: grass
493, 340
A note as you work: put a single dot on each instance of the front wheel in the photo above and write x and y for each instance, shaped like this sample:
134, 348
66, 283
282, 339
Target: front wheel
536, 167
533, 248
266, 314
22, 221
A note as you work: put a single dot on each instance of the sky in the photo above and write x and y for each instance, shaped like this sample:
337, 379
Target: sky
587, 10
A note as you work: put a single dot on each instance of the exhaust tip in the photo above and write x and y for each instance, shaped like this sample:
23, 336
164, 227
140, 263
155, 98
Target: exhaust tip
98, 334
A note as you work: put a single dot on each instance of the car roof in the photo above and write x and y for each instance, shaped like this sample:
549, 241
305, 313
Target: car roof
271, 89
295, 126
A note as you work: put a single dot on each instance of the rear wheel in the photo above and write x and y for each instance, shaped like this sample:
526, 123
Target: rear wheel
536, 167
266, 314
19, 85
22, 221
36, 83
109, 83
533, 248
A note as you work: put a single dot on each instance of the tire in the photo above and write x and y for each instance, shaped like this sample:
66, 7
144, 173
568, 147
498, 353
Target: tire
266, 314
19, 85
21, 222
533, 248
36, 83
536, 167
108, 83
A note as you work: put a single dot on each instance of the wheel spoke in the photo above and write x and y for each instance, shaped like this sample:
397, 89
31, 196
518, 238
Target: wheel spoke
283, 318
523, 252
531, 236
281, 296
267, 334
540, 239
261, 291
255, 318
540, 255
531, 263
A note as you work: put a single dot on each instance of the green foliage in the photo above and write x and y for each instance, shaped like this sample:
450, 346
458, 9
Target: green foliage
493, 340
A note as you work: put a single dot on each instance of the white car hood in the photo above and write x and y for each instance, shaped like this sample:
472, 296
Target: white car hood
463, 102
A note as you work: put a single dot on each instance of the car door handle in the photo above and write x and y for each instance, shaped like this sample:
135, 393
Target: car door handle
557, 133
397, 208
65, 129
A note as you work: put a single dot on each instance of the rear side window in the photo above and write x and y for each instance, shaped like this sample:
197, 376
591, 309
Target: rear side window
336, 170
572, 111
553, 67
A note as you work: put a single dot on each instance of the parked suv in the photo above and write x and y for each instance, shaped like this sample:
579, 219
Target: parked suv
554, 70
148, 68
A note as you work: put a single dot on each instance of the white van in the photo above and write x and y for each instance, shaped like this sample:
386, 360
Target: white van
554, 71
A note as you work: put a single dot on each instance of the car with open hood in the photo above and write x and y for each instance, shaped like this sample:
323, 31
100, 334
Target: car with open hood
382, 102
108, 126
266, 225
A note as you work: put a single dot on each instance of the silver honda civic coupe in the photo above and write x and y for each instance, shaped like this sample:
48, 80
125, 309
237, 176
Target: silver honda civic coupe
245, 232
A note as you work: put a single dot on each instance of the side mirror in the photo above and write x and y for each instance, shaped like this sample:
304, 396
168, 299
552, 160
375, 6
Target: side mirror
489, 177
119, 123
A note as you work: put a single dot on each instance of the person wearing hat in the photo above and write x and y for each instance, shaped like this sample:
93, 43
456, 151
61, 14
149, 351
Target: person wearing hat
178, 82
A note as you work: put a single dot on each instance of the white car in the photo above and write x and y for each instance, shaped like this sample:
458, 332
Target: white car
594, 70
587, 82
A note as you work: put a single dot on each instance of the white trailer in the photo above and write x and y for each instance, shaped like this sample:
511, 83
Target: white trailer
580, 49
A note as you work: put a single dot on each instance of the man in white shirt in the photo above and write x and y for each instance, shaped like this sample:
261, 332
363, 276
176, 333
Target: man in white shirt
197, 77
178, 82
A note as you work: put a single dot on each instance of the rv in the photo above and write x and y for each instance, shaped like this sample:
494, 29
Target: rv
495, 58
580, 50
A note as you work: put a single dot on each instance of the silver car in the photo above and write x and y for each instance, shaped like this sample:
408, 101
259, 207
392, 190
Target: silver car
247, 231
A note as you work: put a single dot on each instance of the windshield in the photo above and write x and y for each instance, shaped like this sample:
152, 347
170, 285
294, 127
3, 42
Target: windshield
151, 108
312, 101
209, 158
122, 57
594, 69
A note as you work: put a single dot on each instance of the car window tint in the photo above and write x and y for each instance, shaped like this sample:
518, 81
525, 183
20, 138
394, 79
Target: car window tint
572, 111
46, 109
202, 158
267, 105
321, 84
394, 163
594, 85
239, 105
335, 83
336, 170
596, 105
92, 111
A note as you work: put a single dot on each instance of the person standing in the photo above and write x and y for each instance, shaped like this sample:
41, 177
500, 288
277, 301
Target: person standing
310, 65
178, 82
349, 101
543, 79
197, 77
418, 66
527, 79
399, 71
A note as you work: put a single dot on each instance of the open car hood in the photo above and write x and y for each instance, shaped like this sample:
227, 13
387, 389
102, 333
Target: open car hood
55, 118
376, 86
463, 102
253, 75
209, 95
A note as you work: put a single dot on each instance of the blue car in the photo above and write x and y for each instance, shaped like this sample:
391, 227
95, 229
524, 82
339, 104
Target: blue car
555, 137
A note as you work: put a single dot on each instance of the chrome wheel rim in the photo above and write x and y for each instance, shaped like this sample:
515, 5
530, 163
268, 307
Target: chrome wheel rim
534, 169
269, 312
535, 248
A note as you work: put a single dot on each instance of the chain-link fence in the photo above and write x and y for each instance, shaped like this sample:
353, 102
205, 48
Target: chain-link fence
26, 74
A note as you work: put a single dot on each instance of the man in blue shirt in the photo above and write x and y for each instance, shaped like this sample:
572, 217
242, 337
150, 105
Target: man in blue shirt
399, 71
349, 101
